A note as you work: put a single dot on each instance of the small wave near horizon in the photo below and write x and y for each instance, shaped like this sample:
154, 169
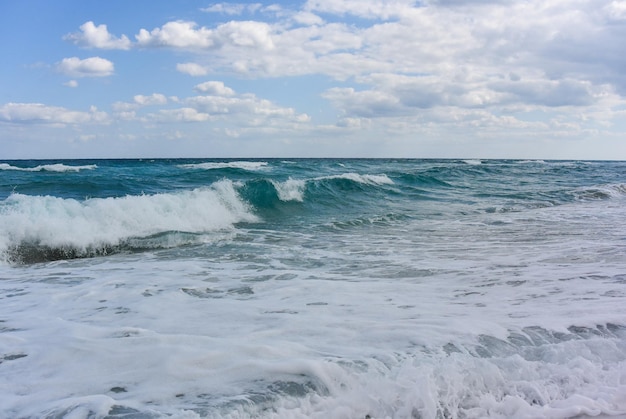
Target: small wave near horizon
244, 165
57, 168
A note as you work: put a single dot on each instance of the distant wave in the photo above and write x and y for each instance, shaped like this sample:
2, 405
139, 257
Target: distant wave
364, 179
244, 165
59, 168
36, 228
473, 162
532, 162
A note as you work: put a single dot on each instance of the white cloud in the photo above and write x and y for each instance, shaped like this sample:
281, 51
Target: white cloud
248, 106
179, 115
71, 83
192, 69
366, 104
126, 110
381, 9
153, 99
215, 88
233, 8
219, 104
182, 34
246, 34
92, 36
38, 113
307, 18
179, 34
89, 67
617, 10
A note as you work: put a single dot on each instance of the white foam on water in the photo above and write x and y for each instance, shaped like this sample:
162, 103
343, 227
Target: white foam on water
245, 165
290, 190
227, 340
473, 162
59, 167
532, 162
365, 178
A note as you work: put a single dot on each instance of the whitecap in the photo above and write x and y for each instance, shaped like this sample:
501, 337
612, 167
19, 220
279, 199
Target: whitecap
473, 162
244, 165
58, 167
290, 190
365, 179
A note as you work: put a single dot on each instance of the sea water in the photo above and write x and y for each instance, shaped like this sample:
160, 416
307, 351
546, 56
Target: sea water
313, 288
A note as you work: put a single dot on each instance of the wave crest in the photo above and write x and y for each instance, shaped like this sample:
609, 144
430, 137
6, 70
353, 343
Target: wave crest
364, 179
243, 165
290, 190
58, 168
48, 228
601, 192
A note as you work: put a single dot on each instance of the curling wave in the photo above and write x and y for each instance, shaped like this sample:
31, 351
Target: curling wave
37, 228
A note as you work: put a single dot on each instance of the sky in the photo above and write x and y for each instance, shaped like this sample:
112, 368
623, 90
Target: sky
528, 79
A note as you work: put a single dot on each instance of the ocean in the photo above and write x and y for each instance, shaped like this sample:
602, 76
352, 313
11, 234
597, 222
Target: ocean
312, 288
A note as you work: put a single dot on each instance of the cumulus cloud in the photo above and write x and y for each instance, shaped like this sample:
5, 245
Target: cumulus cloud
38, 113
178, 34
232, 8
368, 103
192, 69
217, 104
307, 18
248, 106
382, 9
184, 34
215, 88
179, 115
89, 67
153, 99
92, 36
127, 108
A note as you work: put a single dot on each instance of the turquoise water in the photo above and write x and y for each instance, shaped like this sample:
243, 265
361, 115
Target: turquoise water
312, 288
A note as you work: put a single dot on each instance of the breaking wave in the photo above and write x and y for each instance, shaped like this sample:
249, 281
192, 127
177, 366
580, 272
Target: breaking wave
38, 228
58, 168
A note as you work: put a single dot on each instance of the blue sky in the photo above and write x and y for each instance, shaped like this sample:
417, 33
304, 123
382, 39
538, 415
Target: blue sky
319, 78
